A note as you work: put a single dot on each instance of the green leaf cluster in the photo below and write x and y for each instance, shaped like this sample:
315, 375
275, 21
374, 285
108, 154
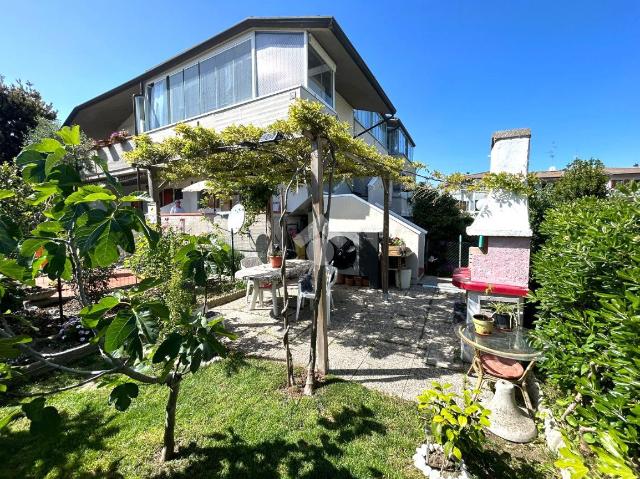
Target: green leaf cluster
456, 421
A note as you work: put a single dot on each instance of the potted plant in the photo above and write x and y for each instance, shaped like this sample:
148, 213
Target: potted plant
483, 324
276, 258
455, 425
503, 314
396, 245
118, 136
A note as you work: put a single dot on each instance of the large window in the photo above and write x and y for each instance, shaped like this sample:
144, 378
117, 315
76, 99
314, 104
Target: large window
280, 61
320, 79
176, 97
158, 105
399, 144
226, 78
192, 91
219, 81
369, 118
229, 77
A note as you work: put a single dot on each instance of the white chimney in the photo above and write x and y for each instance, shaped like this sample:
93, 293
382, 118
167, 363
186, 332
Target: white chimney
505, 213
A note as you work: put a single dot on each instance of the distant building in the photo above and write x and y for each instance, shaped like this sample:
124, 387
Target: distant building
469, 200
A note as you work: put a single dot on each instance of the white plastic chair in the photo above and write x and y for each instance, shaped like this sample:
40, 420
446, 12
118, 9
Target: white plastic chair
332, 276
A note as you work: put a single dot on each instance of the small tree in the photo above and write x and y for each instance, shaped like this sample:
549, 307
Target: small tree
20, 108
91, 225
581, 178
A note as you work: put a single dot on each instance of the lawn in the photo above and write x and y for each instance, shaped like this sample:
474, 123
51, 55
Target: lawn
235, 421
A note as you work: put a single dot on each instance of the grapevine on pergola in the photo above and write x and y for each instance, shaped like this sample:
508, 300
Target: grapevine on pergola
234, 161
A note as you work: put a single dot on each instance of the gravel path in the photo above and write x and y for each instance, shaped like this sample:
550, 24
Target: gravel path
397, 347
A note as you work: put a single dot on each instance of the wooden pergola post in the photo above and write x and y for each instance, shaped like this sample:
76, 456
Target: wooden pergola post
317, 205
385, 240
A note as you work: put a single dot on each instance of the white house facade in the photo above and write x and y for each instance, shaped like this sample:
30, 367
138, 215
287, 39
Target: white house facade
248, 74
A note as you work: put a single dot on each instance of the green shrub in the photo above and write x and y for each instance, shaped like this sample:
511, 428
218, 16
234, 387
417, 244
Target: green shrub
183, 262
588, 322
159, 261
456, 421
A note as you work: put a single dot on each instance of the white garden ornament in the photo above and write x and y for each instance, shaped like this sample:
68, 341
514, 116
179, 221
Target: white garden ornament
420, 460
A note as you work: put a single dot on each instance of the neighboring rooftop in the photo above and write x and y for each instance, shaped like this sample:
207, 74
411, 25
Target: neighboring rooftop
555, 174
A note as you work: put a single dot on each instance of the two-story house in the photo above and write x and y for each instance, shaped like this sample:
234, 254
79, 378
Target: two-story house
249, 73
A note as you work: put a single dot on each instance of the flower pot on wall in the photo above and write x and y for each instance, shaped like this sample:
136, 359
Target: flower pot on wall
276, 261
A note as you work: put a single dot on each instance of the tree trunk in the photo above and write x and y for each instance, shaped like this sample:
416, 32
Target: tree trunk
168, 450
154, 193
385, 241
285, 294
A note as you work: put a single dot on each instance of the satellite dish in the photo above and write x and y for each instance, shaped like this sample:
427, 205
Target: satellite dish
236, 218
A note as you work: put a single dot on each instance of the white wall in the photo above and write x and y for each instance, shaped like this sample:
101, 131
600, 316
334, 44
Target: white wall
350, 213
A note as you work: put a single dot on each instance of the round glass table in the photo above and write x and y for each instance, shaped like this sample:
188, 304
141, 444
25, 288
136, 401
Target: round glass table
505, 344
513, 345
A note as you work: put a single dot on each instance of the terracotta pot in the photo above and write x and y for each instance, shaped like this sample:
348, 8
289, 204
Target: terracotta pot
348, 280
365, 282
357, 280
483, 324
340, 279
276, 261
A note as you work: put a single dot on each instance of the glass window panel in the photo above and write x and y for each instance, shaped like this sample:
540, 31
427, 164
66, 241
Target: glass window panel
191, 91
226, 78
320, 77
139, 105
176, 98
280, 61
159, 114
208, 84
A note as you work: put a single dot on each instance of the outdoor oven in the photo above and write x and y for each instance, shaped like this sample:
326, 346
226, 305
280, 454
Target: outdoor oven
499, 266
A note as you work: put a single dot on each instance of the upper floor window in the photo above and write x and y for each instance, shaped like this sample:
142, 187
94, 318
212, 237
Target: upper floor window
369, 118
229, 77
225, 78
399, 143
279, 61
221, 80
320, 79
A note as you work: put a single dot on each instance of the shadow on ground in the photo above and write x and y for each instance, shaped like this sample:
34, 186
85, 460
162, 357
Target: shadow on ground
58, 452
234, 457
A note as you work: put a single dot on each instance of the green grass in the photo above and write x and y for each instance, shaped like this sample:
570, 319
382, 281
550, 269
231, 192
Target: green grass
235, 421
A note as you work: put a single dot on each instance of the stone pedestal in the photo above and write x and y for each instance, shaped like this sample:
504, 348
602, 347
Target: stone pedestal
508, 420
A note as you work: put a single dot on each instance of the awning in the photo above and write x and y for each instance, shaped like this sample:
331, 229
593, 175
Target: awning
195, 187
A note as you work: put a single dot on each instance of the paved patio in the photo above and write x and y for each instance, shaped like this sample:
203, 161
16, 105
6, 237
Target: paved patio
397, 347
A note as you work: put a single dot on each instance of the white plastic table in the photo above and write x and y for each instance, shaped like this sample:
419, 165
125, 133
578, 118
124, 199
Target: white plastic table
265, 273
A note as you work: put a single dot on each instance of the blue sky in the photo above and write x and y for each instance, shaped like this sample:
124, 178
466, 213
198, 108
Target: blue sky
456, 70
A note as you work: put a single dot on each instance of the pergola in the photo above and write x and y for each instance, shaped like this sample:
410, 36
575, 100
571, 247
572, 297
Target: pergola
312, 146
